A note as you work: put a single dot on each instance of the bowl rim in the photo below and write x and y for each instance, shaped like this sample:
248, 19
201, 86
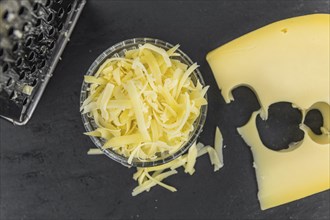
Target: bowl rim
111, 52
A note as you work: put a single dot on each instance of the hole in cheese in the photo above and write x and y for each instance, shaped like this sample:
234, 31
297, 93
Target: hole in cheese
284, 30
282, 126
314, 121
245, 100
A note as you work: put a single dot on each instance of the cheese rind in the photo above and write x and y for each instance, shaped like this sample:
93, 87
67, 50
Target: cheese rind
289, 175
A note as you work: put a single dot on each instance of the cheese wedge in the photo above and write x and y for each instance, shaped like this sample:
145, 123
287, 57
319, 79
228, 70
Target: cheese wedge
285, 176
287, 61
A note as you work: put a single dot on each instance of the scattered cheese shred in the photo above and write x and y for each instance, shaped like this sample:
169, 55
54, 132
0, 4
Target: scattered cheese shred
170, 188
188, 161
213, 156
145, 186
191, 160
146, 180
144, 104
94, 151
218, 144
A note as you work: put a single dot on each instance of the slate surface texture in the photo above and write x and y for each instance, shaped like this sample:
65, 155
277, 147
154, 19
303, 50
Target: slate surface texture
46, 173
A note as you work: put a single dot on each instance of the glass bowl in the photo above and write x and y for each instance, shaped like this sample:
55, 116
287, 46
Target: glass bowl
118, 50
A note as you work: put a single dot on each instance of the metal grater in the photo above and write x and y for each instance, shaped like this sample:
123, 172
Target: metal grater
33, 35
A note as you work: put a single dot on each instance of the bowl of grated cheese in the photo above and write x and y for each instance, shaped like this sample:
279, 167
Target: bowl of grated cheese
143, 102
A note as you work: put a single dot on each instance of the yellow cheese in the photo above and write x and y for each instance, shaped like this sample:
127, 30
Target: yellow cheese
138, 109
218, 145
150, 183
287, 61
282, 62
159, 173
188, 161
27, 89
94, 151
144, 104
191, 160
290, 175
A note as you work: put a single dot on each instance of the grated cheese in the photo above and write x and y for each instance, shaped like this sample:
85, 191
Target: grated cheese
146, 180
94, 151
160, 51
144, 104
191, 160
188, 161
218, 143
